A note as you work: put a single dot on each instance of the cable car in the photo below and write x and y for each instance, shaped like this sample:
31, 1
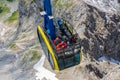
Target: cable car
67, 52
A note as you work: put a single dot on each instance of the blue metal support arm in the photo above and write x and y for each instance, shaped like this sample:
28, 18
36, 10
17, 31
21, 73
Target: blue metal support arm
48, 23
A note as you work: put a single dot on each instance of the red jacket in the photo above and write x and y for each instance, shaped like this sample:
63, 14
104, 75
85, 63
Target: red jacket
57, 41
61, 46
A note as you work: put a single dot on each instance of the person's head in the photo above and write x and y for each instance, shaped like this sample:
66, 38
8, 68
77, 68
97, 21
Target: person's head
57, 38
64, 37
68, 42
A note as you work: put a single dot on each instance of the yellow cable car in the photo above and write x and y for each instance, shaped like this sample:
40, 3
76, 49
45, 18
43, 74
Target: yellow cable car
64, 57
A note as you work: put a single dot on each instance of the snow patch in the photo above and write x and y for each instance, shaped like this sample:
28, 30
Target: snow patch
115, 61
2, 29
108, 6
43, 73
103, 58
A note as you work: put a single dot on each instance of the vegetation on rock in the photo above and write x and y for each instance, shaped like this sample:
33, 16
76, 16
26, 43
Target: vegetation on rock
10, 0
12, 46
13, 17
4, 10
30, 55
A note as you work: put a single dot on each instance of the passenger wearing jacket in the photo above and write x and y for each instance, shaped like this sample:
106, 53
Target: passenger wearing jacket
59, 44
57, 41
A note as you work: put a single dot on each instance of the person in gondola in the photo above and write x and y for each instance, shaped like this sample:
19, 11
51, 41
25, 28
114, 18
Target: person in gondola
57, 41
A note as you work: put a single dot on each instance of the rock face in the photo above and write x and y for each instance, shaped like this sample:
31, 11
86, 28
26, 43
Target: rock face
102, 34
19, 46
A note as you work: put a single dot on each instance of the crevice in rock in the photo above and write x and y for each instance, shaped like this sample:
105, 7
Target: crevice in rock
98, 73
